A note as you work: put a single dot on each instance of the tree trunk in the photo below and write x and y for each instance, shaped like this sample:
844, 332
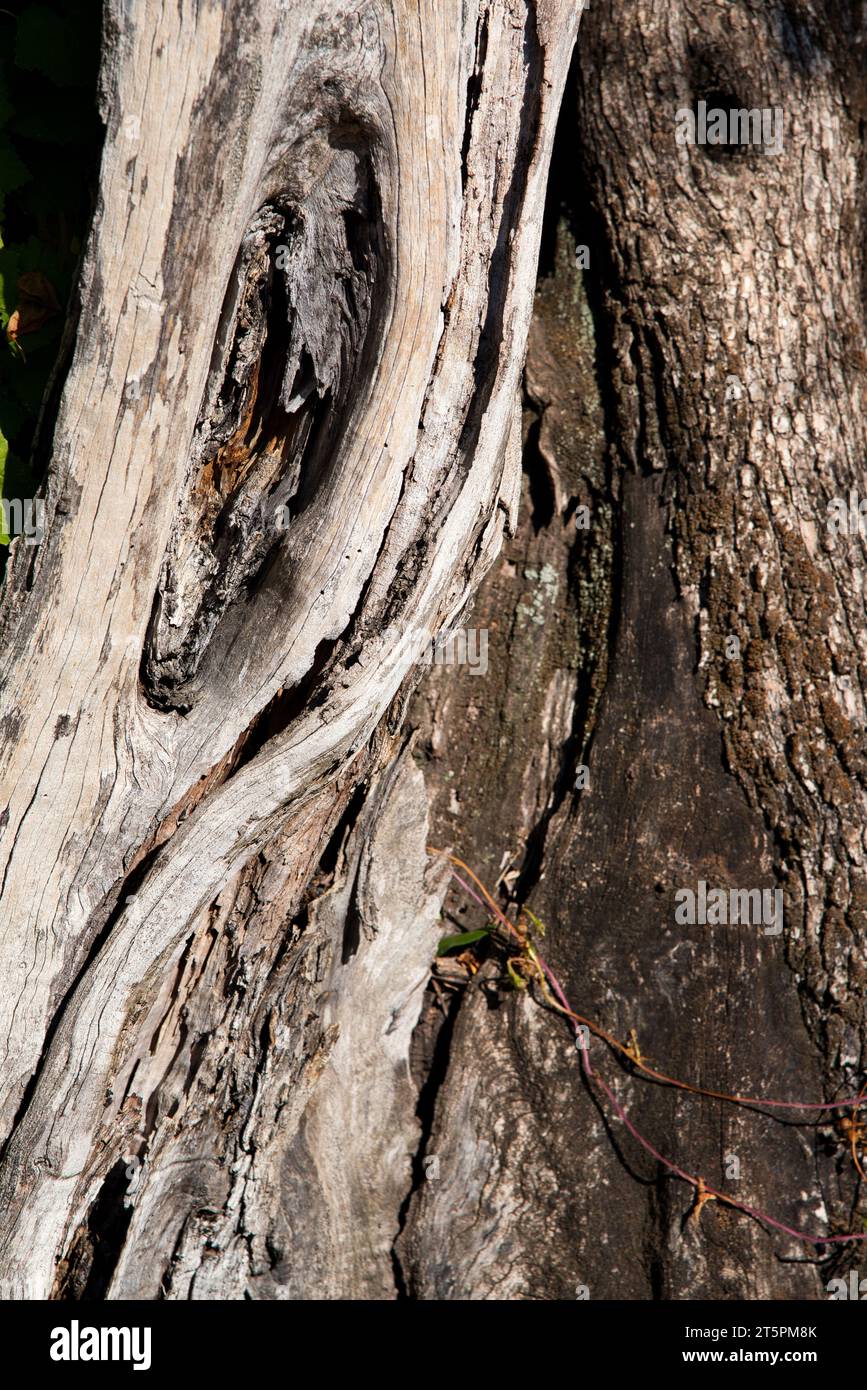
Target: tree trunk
289, 433
726, 293
290, 440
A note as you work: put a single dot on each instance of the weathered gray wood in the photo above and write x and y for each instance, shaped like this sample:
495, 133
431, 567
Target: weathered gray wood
190, 689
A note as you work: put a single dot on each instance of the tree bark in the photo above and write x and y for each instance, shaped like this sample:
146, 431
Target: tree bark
289, 432
726, 291
294, 430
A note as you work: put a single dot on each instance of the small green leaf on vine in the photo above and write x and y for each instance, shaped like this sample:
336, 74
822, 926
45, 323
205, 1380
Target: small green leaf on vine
464, 938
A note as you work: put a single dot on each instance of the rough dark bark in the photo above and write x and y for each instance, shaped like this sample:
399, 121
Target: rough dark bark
710, 520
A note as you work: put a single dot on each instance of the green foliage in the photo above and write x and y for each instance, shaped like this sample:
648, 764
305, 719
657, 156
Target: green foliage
50, 138
464, 938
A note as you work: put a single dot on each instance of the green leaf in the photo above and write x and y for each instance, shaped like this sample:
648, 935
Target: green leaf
534, 921
465, 938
